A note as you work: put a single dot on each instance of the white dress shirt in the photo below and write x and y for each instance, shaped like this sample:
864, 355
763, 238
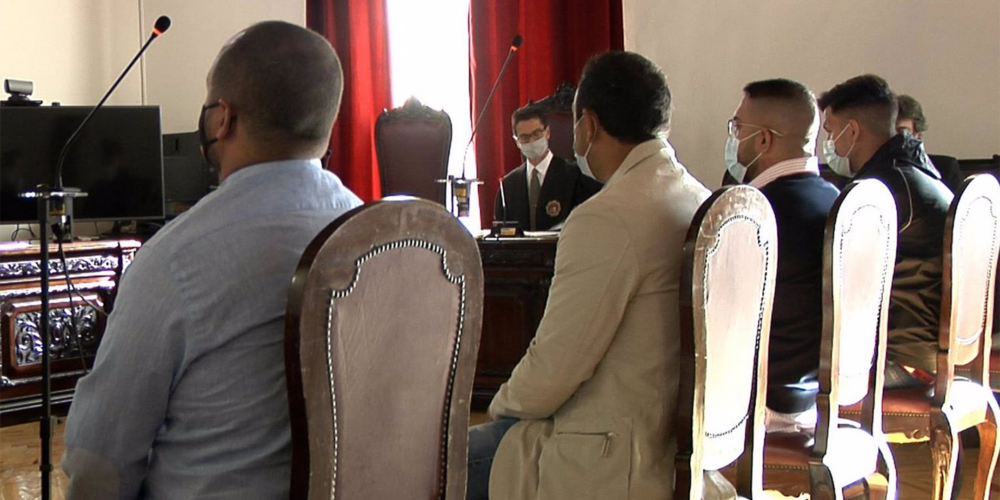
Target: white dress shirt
542, 167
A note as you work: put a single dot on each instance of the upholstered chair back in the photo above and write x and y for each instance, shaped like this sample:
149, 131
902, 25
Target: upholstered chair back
861, 248
382, 334
727, 288
970, 255
413, 144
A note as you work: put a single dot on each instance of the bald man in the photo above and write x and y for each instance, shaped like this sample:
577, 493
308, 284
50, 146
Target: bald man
187, 396
771, 146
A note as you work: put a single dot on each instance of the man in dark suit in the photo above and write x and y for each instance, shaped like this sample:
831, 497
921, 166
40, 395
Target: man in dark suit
911, 119
540, 193
771, 146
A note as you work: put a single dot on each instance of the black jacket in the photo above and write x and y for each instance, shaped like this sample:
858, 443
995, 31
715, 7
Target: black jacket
922, 202
951, 172
801, 205
564, 188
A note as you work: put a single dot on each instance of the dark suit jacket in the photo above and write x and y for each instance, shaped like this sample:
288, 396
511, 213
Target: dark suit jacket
801, 204
564, 188
950, 172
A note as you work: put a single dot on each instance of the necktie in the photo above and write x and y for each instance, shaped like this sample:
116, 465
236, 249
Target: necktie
534, 189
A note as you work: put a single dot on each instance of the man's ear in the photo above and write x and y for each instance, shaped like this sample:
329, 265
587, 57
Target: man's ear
227, 128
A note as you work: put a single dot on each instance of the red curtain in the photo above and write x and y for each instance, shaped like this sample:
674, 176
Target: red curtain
559, 37
357, 29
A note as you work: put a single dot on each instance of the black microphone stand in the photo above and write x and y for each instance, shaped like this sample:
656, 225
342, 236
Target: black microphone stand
61, 213
460, 185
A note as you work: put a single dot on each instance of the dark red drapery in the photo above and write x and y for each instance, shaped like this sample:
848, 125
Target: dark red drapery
357, 29
559, 37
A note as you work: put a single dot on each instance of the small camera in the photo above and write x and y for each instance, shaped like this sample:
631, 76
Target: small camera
19, 91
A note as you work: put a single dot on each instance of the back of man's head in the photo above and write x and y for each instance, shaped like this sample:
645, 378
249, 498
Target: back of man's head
284, 81
786, 106
628, 93
867, 99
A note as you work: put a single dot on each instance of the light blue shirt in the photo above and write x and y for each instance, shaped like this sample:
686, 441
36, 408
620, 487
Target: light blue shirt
187, 396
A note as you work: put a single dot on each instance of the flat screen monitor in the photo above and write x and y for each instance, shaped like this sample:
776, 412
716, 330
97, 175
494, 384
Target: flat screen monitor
117, 160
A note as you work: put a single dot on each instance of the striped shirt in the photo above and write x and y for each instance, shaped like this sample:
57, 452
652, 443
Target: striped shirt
786, 168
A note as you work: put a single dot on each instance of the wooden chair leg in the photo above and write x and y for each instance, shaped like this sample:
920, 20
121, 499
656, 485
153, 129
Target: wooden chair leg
821, 485
988, 451
944, 449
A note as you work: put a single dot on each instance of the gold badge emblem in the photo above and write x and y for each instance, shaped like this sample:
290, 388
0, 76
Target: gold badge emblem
553, 208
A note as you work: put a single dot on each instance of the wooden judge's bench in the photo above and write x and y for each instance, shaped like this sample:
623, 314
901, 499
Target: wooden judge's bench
95, 269
517, 272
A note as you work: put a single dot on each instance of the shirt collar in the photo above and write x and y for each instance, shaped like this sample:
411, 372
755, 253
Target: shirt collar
639, 153
251, 171
541, 167
785, 168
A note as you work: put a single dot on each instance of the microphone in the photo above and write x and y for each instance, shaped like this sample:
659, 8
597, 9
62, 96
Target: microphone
160, 27
503, 200
460, 185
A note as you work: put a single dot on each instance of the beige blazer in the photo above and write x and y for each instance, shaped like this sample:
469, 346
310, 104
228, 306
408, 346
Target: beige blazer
597, 389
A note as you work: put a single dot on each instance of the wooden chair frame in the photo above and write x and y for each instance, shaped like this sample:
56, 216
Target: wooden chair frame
722, 207
352, 240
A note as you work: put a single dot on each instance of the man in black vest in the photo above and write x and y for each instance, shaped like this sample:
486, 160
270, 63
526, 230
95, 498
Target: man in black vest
540, 193
860, 118
771, 146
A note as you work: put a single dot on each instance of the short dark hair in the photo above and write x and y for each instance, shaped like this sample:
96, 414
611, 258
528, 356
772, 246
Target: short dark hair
530, 111
284, 81
780, 88
869, 93
628, 93
910, 109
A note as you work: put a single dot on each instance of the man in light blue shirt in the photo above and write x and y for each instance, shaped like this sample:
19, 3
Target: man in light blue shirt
187, 397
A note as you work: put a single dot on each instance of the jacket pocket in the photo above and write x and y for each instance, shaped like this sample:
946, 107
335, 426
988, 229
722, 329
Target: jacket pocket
586, 461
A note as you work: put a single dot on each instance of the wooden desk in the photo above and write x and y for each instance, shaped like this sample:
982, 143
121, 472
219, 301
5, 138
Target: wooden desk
517, 274
95, 269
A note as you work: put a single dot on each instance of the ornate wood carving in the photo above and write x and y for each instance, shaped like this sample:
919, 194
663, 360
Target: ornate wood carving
95, 269
517, 275
560, 100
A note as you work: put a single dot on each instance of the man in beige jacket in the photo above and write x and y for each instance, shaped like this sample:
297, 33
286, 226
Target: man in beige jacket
589, 411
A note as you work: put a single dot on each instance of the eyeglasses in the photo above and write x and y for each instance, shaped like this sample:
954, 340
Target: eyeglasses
734, 128
532, 137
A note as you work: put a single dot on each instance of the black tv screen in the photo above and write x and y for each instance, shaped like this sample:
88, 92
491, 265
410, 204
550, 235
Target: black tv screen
117, 160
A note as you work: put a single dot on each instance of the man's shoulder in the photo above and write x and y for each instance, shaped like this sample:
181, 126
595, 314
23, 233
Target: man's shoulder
518, 172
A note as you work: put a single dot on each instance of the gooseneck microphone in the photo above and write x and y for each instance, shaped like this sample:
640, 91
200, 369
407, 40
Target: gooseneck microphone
460, 185
160, 27
55, 205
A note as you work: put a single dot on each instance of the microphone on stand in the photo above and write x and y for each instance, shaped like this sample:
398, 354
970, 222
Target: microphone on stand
505, 227
460, 185
61, 214
55, 205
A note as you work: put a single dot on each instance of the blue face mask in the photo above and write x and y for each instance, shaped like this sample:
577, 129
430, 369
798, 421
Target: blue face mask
733, 165
839, 164
581, 161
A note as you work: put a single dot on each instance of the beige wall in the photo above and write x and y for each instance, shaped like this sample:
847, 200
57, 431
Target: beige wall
946, 54
72, 49
176, 69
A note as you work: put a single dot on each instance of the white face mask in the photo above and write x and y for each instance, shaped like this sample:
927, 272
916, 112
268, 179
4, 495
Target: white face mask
535, 149
839, 164
581, 161
733, 165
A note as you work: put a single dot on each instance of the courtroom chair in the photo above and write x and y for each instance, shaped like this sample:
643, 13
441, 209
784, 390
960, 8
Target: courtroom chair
413, 144
972, 230
558, 109
727, 286
382, 331
843, 458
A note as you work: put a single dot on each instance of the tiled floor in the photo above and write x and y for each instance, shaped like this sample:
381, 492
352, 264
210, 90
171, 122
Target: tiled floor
19, 451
